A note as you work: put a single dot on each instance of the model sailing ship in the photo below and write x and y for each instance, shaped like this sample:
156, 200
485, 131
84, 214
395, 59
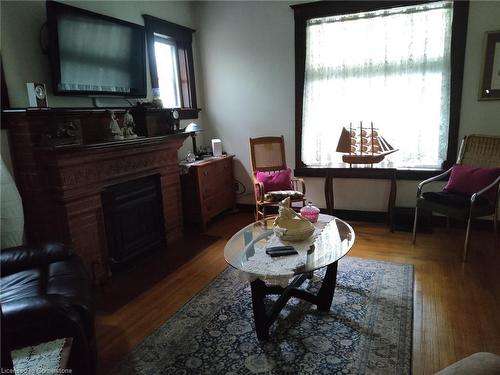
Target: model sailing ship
363, 146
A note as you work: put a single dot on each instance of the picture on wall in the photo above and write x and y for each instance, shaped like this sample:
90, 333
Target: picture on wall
491, 72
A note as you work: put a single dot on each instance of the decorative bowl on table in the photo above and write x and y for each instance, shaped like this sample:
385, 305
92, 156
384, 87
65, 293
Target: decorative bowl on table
290, 226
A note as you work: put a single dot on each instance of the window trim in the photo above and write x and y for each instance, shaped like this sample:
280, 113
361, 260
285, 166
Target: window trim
182, 37
304, 12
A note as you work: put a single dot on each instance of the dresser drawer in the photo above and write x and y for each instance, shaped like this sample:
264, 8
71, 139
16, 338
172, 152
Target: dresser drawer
223, 168
215, 178
217, 204
208, 182
210, 207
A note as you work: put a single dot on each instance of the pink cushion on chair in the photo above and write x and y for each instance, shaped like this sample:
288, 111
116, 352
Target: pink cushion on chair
281, 180
468, 180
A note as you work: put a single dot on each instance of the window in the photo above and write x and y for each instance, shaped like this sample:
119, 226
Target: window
167, 69
171, 64
391, 66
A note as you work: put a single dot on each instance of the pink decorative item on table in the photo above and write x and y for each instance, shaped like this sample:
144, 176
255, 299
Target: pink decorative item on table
310, 212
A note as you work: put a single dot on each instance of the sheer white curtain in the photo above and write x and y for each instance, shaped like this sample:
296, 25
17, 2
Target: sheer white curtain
391, 67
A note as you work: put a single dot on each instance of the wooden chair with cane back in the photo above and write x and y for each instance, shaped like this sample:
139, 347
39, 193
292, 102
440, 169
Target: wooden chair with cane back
477, 151
267, 155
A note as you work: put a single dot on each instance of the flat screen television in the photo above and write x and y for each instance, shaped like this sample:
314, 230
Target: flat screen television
92, 54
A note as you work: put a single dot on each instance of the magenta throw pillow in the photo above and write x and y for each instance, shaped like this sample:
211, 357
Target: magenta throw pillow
273, 181
468, 180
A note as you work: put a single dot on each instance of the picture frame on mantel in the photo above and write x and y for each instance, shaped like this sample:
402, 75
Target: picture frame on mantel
490, 88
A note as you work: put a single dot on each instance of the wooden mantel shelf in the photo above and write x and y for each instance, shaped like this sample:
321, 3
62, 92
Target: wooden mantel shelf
131, 142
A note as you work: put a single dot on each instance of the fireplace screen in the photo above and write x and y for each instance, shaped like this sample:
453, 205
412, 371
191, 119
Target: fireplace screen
133, 216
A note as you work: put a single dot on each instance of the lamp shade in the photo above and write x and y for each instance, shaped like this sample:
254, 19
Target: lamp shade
192, 127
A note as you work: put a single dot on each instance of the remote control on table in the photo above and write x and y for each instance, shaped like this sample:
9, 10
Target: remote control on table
278, 251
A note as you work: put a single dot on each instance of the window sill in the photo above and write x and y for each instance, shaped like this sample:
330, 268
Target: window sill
188, 113
370, 173
184, 113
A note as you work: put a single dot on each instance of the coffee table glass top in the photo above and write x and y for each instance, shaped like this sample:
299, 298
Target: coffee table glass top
246, 250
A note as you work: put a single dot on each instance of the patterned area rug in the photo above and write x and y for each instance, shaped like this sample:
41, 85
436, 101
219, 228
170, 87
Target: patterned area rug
367, 331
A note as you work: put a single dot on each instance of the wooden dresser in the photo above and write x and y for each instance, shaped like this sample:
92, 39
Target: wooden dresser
207, 189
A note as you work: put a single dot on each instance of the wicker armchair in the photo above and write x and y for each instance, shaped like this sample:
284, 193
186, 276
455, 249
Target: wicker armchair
267, 154
476, 150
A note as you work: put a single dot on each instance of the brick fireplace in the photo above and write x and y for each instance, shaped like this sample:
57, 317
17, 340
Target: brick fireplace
62, 186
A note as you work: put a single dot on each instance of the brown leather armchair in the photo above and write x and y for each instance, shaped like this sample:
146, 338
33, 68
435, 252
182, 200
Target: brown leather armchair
45, 295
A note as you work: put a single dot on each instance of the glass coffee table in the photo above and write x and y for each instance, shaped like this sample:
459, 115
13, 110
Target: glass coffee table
246, 251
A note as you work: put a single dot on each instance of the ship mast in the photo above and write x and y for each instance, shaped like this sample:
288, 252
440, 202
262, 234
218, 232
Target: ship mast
361, 137
372, 139
350, 144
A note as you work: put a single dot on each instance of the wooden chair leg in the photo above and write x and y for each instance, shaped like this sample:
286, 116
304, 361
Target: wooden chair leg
466, 244
259, 212
415, 225
495, 228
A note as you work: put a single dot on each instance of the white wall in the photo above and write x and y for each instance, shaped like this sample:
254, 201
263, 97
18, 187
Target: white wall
246, 51
247, 54
23, 60
482, 117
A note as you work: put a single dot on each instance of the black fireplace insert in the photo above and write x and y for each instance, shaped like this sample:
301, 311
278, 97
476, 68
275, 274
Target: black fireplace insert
133, 216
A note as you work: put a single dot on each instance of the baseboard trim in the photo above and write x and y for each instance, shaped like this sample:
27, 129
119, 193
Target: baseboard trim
403, 218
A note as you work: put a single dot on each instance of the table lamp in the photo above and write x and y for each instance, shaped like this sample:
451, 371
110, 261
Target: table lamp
193, 129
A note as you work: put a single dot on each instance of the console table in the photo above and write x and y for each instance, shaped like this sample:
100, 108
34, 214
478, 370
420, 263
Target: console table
368, 173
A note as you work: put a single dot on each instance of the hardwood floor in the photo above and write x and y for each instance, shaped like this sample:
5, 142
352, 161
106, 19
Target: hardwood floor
456, 305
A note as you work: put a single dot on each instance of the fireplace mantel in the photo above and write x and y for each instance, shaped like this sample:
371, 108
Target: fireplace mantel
61, 185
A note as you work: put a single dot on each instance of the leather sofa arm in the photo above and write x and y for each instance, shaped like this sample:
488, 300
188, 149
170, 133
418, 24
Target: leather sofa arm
34, 320
20, 258
6, 364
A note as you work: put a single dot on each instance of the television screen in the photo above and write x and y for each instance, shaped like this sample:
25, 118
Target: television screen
92, 54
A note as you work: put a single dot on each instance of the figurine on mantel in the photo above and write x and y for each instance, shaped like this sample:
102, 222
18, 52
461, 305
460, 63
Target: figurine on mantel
128, 125
116, 131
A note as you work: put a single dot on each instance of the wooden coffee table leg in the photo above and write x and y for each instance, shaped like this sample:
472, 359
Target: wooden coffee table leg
264, 319
325, 294
259, 311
